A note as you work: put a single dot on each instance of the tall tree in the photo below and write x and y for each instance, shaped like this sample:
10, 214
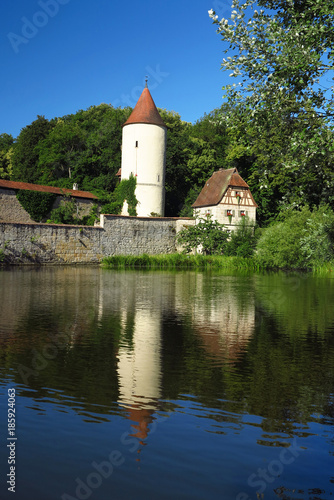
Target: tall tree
281, 124
25, 157
6, 152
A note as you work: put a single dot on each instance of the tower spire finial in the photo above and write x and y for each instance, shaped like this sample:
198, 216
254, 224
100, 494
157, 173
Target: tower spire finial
146, 80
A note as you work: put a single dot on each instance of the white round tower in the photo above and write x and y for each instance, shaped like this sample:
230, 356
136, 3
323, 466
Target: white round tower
144, 156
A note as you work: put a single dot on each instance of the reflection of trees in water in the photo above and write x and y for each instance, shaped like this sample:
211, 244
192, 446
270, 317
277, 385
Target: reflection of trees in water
300, 302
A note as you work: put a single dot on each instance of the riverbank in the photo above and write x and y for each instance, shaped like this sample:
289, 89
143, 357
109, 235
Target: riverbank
179, 261
216, 262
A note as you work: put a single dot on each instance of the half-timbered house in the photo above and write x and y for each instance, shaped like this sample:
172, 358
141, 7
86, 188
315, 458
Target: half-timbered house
227, 197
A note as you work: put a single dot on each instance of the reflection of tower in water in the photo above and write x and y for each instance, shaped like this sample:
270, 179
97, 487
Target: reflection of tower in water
139, 369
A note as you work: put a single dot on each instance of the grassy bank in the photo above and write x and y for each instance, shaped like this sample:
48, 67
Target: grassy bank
324, 269
179, 261
208, 262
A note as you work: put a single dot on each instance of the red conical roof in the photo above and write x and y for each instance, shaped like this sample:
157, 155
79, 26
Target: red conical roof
145, 111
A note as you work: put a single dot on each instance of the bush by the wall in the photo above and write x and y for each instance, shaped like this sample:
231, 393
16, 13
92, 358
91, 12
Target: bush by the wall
302, 239
37, 204
207, 234
66, 213
242, 240
125, 191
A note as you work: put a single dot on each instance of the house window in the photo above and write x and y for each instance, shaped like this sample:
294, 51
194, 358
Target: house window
238, 196
208, 212
229, 213
243, 213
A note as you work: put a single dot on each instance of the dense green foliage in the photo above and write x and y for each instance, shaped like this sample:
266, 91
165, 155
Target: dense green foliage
194, 152
68, 212
207, 235
299, 239
279, 114
212, 238
124, 191
242, 241
6, 152
25, 155
302, 239
38, 205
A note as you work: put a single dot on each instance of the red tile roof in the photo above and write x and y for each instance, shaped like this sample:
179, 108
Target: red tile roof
145, 111
46, 189
215, 188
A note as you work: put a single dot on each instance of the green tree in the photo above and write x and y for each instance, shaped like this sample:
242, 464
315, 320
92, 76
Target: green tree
84, 148
280, 120
300, 239
177, 155
242, 240
38, 205
6, 142
6, 153
207, 235
66, 213
279, 56
58, 151
25, 157
194, 152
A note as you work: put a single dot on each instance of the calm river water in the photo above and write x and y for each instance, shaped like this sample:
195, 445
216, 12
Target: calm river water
159, 385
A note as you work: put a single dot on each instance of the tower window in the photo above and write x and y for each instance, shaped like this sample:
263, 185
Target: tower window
158, 178
136, 144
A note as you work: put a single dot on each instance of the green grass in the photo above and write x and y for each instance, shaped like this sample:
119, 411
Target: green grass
179, 261
324, 269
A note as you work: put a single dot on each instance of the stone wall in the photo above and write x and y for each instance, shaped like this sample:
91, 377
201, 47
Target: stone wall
137, 235
11, 209
64, 244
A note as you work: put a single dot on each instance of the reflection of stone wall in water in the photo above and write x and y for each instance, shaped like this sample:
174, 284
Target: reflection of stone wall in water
48, 291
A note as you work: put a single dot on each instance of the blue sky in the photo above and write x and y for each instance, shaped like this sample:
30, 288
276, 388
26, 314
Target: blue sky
59, 56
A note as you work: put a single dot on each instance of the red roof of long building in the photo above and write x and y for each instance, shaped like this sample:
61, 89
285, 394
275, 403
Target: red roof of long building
145, 111
215, 188
46, 189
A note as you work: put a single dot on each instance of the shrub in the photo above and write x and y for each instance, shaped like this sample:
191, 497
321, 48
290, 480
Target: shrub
302, 239
125, 191
317, 244
242, 241
37, 204
89, 220
65, 214
207, 234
